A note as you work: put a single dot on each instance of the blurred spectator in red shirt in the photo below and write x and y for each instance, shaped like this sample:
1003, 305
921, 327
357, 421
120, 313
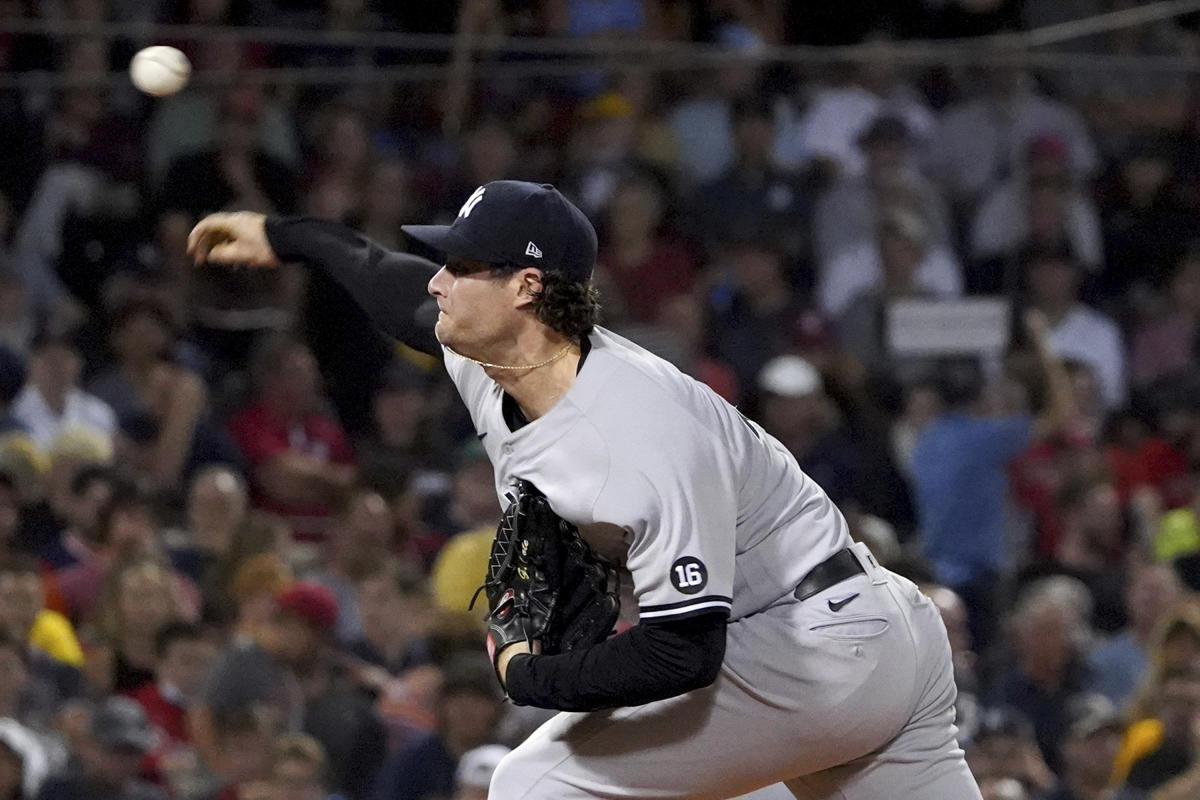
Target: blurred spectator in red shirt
183, 656
642, 266
299, 456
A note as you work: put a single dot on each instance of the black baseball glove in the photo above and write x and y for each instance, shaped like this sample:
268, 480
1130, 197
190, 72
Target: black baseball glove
544, 584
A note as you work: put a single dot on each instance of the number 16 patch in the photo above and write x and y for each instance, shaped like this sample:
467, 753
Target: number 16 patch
689, 575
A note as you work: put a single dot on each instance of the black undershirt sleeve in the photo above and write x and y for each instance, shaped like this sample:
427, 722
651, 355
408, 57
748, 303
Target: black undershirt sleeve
389, 286
650, 661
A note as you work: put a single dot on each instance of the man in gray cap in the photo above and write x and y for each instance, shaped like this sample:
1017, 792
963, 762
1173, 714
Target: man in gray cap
108, 760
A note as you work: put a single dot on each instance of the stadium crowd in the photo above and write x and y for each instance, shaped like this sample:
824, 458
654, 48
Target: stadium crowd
239, 530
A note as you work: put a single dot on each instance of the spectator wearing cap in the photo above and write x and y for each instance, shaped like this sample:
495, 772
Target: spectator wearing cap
902, 242
849, 212
474, 773
51, 401
754, 195
109, 757
795, 409
299, 456
1041, 204
290, 669
984, 139
468, 708
959, 473
24, 615
1165, 344
1053, 276
642, 266
1178, 750
397, 610
1091, 739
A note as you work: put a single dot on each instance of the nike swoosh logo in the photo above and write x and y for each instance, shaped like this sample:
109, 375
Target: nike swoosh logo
481, 435
838, 605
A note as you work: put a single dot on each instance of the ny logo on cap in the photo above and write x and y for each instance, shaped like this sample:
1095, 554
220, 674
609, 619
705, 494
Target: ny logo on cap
533, 250
472, 201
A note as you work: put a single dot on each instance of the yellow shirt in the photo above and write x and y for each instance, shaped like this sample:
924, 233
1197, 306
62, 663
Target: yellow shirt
460, 568
53, 635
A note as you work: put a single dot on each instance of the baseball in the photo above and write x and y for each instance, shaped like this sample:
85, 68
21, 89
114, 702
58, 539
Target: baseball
160, 70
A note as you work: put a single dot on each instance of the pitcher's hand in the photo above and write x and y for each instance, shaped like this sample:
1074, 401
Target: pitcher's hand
232, 238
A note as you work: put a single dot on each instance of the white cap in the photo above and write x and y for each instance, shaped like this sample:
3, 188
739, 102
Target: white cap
790, 376
476, 766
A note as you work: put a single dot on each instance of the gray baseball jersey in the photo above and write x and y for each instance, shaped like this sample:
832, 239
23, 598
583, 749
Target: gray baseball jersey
705, 508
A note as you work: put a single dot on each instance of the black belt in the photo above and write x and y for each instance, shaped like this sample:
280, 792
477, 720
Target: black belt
830, 572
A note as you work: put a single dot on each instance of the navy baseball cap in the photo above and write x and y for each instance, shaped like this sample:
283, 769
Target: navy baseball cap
521, 223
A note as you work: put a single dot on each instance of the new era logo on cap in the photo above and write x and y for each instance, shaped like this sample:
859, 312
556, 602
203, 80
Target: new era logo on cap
532, 250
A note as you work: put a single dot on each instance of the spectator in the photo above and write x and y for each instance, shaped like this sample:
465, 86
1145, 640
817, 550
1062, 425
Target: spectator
475, 769
215, 509
241, 764
1120, 663
360, 540
796, 410
339, 169
861, 327
144, 383
301, 769
901, 240
641, 265
468, 710
683, 320
1050, 630
849, 212
473, 504
127, 529
751, 313
183, 656
1004, 748
23, 612
235, 172
1179, 712
60, 528
980, 141
396, 608
959, 476
109, 757
52, 402
1165, 344
755, 194
137, 602
1042, 203
299, 456
388, 202
603, 148
1146, 219
966, 677
255, 586
1092, 737
405, 438
1053, 277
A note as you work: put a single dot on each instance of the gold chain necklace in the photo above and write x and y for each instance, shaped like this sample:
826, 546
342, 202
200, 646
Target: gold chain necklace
549, 360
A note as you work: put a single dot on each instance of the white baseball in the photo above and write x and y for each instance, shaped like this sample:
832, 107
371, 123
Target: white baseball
160, 70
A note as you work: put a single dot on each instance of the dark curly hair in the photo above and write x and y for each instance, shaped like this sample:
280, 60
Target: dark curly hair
564, 305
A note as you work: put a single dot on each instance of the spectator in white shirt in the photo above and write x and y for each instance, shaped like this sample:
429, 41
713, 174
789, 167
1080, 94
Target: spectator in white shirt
51, 401
859, 267
1077, 332
1044, 202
